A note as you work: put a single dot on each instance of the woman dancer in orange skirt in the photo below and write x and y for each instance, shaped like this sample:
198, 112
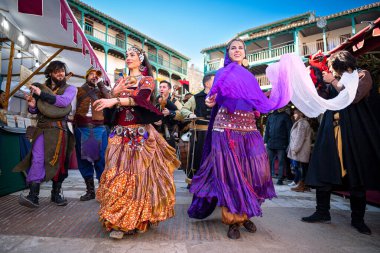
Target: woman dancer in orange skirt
137, 188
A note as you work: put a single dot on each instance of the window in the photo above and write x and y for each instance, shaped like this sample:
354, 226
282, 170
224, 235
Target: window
160, 59
320, 45
120, 42
88, 27
305, 48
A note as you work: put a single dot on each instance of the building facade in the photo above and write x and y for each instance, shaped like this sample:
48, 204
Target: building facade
303, 34
195, 76
110, 38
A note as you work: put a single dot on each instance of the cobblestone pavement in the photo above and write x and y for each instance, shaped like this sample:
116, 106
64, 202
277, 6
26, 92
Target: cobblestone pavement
75, 228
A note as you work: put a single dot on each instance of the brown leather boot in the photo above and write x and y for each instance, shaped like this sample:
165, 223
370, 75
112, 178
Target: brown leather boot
233, 232
307, 189
250, 226
300, 187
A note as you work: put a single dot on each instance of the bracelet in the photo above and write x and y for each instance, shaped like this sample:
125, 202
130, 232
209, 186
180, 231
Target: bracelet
131, 102
118, 102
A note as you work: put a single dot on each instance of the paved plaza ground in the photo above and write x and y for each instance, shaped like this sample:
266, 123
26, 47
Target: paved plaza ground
75, 227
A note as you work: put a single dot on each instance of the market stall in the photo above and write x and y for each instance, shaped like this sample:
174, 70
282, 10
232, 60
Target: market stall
32, 34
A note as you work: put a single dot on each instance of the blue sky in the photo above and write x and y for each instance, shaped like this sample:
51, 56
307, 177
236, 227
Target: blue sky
192, 25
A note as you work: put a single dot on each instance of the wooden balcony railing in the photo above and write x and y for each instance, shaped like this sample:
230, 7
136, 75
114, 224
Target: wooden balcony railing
120, 43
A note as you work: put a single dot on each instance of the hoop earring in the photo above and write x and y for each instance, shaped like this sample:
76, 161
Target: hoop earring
142, 68
245, 62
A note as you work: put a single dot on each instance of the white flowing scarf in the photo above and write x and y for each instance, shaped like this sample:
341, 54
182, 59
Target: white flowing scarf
291, 71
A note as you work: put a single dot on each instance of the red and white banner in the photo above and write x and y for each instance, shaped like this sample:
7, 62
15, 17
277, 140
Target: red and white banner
86, 46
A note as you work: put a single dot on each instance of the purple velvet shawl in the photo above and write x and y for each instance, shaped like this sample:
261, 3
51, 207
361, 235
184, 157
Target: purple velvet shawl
238, 89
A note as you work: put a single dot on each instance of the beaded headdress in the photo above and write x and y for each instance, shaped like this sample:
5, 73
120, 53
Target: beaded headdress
139, 52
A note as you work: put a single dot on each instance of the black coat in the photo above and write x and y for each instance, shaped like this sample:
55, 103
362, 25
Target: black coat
277, 130
360, 147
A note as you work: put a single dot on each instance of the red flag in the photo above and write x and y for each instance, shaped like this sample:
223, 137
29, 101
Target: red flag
33, 7
184, 82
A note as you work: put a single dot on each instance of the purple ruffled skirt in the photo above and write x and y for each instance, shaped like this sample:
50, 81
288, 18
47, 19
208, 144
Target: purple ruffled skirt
235, 175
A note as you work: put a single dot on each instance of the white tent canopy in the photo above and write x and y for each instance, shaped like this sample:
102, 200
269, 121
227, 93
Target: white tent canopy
41, 36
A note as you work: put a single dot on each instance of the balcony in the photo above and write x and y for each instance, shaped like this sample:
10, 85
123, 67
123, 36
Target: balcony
269, 54
256, 58
97, 35
331, 43
263, 80
215, 64
118, 43
153, 58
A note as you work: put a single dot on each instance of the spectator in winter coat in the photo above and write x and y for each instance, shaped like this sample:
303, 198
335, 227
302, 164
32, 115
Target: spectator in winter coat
299, 148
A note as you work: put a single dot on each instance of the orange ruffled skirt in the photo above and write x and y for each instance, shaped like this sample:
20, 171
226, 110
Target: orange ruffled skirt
137, 187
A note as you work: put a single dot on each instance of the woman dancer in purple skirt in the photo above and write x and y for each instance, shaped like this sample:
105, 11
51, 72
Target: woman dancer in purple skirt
235, 173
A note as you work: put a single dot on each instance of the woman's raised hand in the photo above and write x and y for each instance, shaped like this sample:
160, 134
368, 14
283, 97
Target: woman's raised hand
211, 101
123, 84
119, 85
100, 104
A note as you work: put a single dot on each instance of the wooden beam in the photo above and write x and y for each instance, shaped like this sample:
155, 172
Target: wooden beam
34, 73
9, 76
56, 46
78, 76
4, 39
18, 58
18, 74
41, 73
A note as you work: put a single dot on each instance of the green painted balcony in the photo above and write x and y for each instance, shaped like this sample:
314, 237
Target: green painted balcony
100, 37
120, 45
313, 47
256, 58
153, 58
266, 56
272, 54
